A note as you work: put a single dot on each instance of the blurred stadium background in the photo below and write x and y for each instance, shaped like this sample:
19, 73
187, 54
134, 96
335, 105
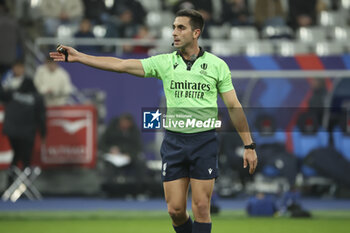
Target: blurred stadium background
290, 63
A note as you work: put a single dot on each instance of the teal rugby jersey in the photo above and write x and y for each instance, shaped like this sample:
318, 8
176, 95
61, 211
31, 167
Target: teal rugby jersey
191, 88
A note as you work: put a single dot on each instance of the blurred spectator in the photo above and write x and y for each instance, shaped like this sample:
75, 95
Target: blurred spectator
85, 31
124, 170
17, 8
206, 13
269, 13
143, 33
122, 138
291, 204
335, 5
205, 5
15, 77
54, 83
168, 5
9, 40
55, 13
125, 16
24, 116
27, 15
183, 4
95, 11
139, 13
304, 13
236, 12
122, 25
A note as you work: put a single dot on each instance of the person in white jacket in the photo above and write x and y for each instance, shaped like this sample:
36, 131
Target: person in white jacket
54, 83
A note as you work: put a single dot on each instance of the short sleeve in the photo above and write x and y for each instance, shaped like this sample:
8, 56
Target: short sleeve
155, 66
225, 80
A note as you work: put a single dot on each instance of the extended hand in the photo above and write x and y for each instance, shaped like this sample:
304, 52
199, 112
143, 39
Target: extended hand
250, 158
59, 56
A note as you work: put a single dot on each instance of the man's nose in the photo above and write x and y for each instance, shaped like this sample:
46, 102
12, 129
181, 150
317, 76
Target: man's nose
174, 32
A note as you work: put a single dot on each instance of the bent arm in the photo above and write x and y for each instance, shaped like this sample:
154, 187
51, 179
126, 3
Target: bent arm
237, 115
130, 66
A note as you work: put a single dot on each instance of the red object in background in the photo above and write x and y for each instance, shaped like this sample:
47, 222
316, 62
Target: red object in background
70, 140
5, 148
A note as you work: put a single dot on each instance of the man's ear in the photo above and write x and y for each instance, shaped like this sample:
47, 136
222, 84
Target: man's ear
196, 33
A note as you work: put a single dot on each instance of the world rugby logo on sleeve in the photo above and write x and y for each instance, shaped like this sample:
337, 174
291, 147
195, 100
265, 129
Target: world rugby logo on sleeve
152, 119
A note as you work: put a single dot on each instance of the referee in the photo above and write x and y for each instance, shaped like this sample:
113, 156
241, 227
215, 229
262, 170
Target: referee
192, 79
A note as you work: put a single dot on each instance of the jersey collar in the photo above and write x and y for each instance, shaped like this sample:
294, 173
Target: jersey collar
189, 63
201, 52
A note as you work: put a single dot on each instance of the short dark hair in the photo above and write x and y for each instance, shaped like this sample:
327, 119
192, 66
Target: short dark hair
196, 19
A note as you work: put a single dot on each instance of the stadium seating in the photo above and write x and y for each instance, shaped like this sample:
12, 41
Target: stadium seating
311, 34
158, 19
66, 31
332, 26
339, 97
331, 18
152, 5
259, 48
218, 32
307, 136
345, 4
166, 33
274, 32
290, 48
244, 34
328, 49
223, 48
269, 138
340, 34
99, 31
251, 5
341, 130
266, 131
341, 141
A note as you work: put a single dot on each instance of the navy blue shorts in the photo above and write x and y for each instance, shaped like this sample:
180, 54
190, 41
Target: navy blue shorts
189, 155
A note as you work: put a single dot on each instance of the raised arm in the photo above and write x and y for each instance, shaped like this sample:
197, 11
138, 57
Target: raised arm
130, 66
239, 121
